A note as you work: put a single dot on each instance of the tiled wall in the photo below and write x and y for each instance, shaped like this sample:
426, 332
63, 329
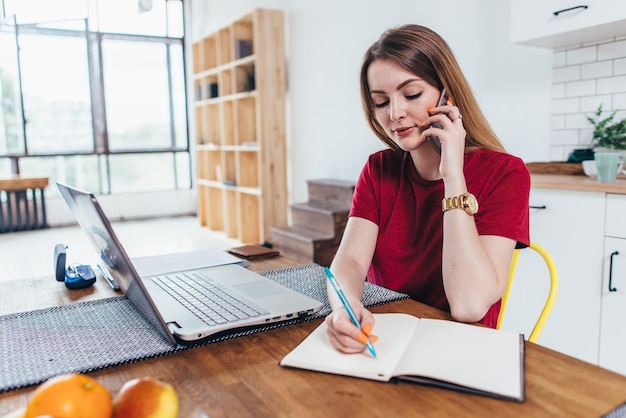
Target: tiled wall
584, 77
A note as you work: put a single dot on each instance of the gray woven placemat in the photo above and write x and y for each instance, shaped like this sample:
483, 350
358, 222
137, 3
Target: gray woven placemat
94, 335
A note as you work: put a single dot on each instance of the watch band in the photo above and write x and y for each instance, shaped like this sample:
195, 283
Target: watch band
466, 201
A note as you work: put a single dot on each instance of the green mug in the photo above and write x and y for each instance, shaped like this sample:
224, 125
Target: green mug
608, 164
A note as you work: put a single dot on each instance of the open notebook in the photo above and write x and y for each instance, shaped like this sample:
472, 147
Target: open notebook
437, 352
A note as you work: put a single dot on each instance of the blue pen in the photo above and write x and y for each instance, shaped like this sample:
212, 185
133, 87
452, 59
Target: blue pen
346, 305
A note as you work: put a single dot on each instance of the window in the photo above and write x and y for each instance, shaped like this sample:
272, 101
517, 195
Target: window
96, 94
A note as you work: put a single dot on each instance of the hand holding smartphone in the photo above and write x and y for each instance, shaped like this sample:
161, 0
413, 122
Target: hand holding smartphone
443, 99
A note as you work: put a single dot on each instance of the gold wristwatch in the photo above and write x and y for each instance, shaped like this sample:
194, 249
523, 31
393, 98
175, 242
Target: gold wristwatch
466, 201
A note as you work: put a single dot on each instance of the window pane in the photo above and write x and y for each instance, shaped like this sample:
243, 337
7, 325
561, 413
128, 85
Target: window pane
183, 170
5, 168
178, 92
137, 98
80, 171
142, 172
11, 128
55, 85
175, 24
31, 11
143, 17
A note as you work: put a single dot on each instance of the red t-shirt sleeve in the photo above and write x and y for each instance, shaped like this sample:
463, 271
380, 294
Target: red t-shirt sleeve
503, 192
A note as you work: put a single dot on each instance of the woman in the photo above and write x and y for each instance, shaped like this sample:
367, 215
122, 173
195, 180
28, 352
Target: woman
439, 223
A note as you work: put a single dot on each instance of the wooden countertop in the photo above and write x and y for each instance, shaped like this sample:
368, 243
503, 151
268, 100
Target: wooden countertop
577, 183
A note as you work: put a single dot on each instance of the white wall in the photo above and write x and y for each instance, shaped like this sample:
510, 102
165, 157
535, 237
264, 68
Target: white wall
328, 136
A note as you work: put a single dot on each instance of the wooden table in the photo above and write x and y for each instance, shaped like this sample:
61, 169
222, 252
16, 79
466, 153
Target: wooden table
241, 377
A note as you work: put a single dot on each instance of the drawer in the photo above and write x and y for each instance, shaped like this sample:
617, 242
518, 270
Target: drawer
615, 224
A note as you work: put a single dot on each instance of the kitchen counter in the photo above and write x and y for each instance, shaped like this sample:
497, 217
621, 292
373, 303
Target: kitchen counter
577, 183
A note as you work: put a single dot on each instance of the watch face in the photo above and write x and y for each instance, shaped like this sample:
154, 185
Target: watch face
470, 204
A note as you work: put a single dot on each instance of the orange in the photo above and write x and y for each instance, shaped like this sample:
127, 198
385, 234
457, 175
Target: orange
70, 396
146, 397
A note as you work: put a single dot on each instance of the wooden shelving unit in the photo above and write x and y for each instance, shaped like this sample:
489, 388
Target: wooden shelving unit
239, 88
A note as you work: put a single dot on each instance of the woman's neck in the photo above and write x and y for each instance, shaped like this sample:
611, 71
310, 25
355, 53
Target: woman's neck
426, 161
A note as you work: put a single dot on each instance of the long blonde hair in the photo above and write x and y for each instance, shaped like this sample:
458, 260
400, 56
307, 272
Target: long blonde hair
421, 51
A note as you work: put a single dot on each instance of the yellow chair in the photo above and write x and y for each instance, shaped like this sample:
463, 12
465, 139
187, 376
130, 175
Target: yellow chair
554, 287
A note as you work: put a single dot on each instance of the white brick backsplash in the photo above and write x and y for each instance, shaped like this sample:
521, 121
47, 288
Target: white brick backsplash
612, 85
612, 50
560, 106
580, 88
619, 66
580, 55
585, 135
564, 137
576, 121
619, 101
583, 77
566, 74
558, 91
557, 122
557, 153
558, 59
596, 70
567, 149
591, 103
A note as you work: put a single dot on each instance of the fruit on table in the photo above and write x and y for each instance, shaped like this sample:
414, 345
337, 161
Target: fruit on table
146, 397
68, 396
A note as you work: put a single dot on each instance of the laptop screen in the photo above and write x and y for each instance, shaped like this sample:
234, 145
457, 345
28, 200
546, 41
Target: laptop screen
114, 260
86, 210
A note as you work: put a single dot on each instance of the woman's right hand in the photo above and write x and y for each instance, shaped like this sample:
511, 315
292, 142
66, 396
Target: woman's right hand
344, 335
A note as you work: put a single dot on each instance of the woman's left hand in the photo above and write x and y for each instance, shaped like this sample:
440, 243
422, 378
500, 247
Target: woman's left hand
451, 135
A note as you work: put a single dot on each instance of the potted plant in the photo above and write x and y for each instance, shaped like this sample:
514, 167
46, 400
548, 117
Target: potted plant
607, 133
609, 137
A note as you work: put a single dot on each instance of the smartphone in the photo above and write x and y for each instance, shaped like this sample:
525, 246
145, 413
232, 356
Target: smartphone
443, 99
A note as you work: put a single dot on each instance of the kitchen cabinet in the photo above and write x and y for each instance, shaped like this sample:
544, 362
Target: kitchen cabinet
613, 331
570, 226
534, 22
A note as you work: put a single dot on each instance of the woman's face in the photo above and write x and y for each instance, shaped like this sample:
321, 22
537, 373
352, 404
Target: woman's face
401, 102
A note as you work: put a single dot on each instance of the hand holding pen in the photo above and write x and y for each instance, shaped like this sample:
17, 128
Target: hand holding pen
355, 320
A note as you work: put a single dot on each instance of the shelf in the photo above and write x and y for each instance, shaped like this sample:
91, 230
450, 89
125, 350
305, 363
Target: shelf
239, 91
246, 61
232, 221
248, 173
245, 112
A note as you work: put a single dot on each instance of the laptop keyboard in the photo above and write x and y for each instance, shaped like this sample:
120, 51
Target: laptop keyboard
211, 302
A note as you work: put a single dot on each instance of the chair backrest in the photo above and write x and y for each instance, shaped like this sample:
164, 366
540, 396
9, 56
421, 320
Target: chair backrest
549, 303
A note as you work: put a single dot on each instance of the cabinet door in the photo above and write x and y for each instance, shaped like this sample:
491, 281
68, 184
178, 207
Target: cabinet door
533, 22
570, 227
613, 329
615, 211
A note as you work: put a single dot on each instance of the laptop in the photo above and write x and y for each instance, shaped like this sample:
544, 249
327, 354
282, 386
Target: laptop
172, 302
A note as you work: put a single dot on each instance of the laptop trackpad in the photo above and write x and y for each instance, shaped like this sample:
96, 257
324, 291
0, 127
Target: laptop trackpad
260, 289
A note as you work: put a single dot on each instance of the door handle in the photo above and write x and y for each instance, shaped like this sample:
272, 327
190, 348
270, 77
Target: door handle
582, 6
611, 288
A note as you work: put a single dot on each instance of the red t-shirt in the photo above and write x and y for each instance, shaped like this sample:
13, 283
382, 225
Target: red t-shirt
407, 210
